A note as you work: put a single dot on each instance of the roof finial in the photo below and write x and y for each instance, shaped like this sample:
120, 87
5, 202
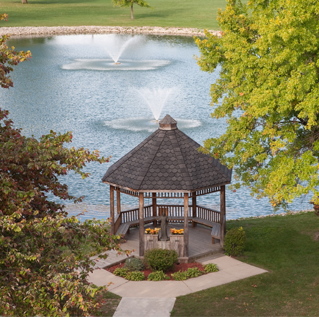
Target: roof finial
168, 123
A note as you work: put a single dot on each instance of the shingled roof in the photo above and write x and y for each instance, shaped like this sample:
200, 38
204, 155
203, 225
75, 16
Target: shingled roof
168, 160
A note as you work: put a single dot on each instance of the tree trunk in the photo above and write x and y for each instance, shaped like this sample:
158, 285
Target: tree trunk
222, 215
112, 208
24, 1
132, 17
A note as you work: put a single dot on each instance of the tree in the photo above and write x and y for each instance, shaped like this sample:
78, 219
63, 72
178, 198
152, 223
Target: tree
268, 90
8, 58
130, 3
43, 265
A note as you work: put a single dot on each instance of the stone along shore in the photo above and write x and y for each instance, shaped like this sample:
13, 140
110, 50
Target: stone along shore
59, 30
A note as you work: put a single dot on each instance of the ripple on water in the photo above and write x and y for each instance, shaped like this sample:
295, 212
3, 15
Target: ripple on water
109, 65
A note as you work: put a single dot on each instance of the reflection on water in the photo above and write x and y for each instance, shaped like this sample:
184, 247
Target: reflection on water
104, 110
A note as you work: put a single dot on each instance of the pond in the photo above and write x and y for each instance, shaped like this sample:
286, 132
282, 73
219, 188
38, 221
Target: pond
72, 84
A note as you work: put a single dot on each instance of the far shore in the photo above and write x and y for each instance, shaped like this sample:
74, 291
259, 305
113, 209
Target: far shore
67, 30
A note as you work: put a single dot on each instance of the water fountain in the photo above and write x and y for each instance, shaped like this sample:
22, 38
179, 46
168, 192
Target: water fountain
156, 99
121, 49
115, 63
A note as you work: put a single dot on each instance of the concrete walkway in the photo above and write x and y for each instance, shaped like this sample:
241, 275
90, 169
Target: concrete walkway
145, 307
159, 297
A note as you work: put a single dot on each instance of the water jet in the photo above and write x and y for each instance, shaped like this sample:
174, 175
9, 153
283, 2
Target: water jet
155, 99
116, 62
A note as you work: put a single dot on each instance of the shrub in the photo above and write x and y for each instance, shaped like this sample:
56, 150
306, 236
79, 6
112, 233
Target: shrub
193, 272
179, 276
210, 267
135, 276
160, 259
134, 264
234, 241
157, 276
121, 272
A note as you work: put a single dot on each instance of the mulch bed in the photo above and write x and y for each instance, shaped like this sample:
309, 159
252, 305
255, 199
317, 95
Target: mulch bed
177, 267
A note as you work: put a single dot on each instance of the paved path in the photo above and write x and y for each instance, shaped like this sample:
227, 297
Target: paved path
145, 307
161, 295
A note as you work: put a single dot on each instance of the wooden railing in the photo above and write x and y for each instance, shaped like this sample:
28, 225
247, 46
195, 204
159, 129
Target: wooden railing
133, 214
129, 215
148, 211
207, 214
173, 211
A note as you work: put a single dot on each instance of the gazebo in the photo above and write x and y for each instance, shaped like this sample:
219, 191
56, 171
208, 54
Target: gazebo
169, 165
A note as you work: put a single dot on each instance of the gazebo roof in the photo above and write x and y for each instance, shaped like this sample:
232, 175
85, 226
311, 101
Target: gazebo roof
168, 160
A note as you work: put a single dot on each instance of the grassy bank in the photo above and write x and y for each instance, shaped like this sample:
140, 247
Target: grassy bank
288, 247
166, 13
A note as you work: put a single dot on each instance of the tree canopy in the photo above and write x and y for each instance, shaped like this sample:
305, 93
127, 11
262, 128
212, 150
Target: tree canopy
268, 90
130, 3
44, 261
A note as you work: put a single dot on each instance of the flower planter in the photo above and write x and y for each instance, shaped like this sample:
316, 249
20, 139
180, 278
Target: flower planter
175, 242
150, 241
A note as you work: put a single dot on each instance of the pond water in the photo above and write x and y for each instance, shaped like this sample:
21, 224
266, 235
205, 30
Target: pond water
71, 84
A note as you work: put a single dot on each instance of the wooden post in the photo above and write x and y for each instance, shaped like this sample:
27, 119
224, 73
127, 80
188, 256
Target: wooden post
141, 218
112, 208
154, 207
118, 201
222, 215
186, 237
194, 209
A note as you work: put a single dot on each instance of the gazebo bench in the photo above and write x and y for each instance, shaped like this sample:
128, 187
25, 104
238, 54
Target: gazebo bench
215, 233
124, 228
214, 225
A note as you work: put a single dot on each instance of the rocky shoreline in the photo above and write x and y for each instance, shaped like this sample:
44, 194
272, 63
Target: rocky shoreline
60, 30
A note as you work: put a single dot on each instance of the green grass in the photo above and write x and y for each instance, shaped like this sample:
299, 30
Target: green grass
288, 247
110, 302
166, 13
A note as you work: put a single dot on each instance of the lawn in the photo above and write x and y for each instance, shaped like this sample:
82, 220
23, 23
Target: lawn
288, 247
166, 13
110, 302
